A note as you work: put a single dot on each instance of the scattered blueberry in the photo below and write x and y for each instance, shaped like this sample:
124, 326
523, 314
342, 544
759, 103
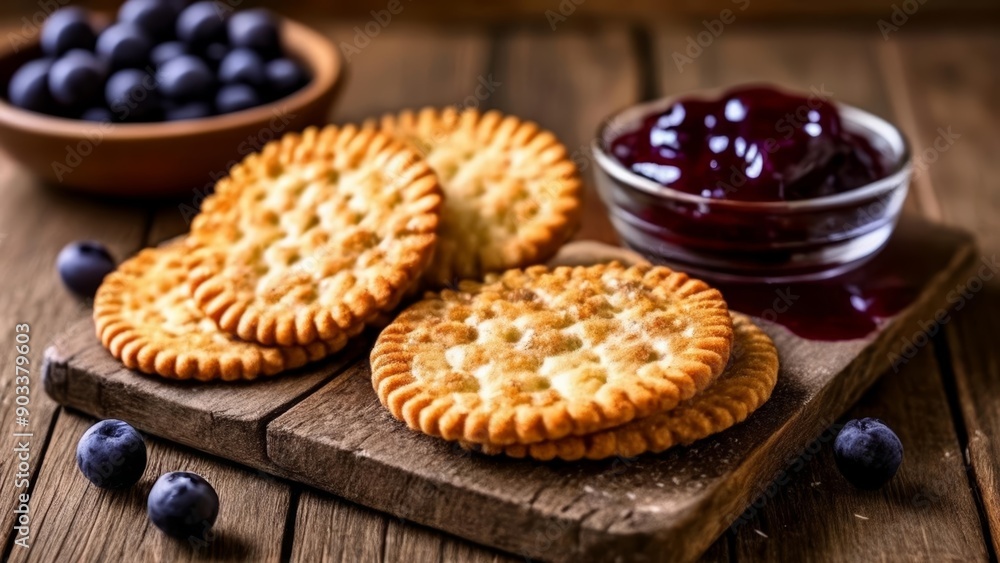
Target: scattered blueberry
111, 454
201, 24
76, 79
165, 52
242, 66
236, 97
183, 504
82, 266
156, 17
255, 29
190, 110
29, 87
185, 78
98, 114
867, 453
67, 28
285, 76
132, 95
124, 45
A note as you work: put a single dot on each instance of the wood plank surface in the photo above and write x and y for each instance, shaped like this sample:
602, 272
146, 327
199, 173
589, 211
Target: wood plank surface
578, 509
35, 223
952, 85
76, 521
924, 514
568, 81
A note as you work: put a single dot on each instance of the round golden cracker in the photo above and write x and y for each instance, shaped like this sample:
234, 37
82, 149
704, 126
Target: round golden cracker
539, 354
743, 387
512, 195
318, 233
145, 316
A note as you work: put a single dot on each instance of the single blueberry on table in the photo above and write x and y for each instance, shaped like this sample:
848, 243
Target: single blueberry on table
124, 45
201, 24
77, 78
132, 95
285, 76
186, 78
29, 87
82, 266
242, 66
156, 17
183, 505
255, 29
67, 28
236, 97
867, 453
190, 110
111, 454
165, 52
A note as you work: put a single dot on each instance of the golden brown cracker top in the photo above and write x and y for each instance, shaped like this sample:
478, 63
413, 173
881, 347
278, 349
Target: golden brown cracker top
512, 193
540, 354
743, 387
313, 236
145, 316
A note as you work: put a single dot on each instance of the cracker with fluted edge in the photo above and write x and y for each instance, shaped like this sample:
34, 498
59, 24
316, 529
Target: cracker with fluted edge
145, 317
744, 386
316, 234
540, 354
512, 194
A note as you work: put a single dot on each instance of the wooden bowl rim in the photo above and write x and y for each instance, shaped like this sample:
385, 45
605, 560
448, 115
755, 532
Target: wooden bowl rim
308, 45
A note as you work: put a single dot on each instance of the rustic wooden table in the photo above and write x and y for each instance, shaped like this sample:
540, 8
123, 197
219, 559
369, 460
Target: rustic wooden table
942, 87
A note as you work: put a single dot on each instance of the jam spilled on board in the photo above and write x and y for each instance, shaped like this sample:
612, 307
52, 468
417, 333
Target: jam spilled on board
854, 304
753, 143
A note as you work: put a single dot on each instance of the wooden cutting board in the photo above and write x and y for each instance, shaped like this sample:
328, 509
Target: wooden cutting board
323, 426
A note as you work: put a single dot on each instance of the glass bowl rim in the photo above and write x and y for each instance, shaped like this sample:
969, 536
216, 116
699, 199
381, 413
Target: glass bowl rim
898, 175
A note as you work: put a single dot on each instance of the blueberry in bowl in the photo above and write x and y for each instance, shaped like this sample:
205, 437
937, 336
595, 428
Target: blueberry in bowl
143, 105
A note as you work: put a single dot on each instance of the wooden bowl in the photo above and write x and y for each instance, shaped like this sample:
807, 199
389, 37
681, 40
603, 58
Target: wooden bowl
163, 159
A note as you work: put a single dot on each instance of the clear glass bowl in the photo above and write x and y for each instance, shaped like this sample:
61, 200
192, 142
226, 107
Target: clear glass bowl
754, 241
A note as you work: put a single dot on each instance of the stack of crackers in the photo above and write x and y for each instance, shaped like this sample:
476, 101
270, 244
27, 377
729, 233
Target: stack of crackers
327, 232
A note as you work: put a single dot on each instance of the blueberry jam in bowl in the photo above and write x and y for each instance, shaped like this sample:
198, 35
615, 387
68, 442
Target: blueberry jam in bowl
752, 183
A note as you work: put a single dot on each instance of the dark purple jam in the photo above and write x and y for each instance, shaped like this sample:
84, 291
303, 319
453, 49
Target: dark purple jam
754, 143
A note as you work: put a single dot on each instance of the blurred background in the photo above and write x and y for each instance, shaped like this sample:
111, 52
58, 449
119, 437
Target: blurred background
930, 66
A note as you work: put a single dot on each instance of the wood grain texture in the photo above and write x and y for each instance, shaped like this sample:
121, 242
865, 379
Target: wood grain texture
76, 521
568, 80
35, 222
410, 66
533, 11
224, 419
677, 502
925, 513
951, 85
